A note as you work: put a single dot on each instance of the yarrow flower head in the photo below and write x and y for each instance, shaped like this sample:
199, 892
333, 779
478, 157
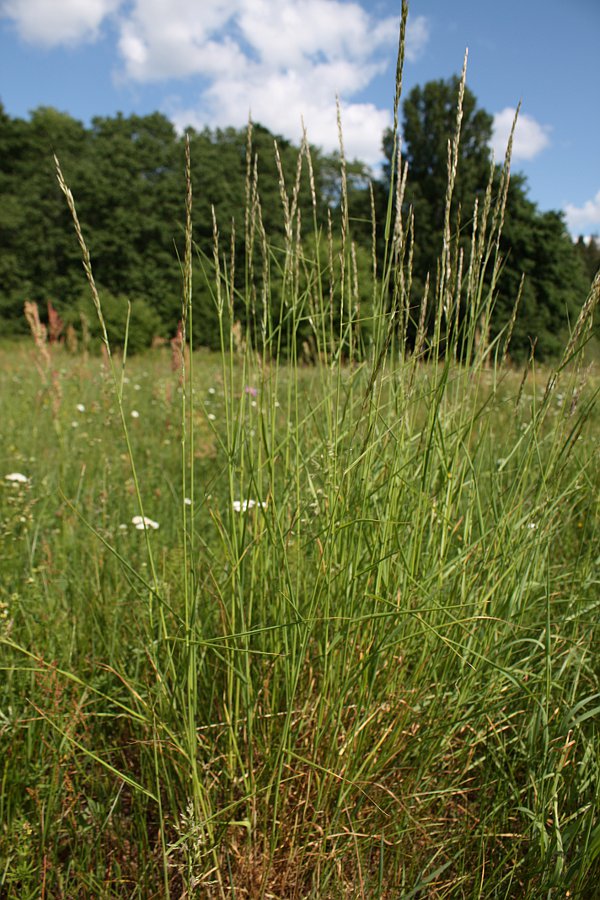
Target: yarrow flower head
17, 478
243, 505
143, 522
135, 414
80, 407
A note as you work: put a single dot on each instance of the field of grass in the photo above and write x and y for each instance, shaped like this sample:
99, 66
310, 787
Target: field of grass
383, 681
354, 650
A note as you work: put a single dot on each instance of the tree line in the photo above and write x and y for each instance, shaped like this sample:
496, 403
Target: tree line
127, 177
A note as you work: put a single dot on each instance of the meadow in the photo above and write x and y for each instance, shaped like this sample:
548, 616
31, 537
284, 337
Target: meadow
285, 629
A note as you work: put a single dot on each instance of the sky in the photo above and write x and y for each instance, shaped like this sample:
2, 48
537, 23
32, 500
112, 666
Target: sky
283, 62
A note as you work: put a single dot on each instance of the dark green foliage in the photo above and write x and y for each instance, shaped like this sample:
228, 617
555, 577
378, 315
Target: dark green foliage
589, 253
144, 321
127, 177
429, 121
535, 244
555, 286
132, 208
39, 259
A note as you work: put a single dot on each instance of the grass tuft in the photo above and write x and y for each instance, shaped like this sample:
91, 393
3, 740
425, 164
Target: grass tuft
349, 645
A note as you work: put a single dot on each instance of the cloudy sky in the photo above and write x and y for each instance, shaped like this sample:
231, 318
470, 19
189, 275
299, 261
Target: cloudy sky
212, 62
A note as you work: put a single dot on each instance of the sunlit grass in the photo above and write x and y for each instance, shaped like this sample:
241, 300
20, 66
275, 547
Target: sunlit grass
395, 654
272, 629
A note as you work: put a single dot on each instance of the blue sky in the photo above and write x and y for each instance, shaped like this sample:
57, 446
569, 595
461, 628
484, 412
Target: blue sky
213, 62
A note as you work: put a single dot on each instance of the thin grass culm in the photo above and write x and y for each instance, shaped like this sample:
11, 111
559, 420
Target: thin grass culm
354, 652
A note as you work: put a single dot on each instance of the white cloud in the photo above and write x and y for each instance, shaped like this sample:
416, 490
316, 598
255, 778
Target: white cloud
161, 39
184, 37
584, 219
530, 137
363, 123
417, 36
286, 34
281, 98
52, 22
281, 60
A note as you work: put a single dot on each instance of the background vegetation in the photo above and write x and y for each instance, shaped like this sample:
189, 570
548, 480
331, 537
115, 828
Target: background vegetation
126, 175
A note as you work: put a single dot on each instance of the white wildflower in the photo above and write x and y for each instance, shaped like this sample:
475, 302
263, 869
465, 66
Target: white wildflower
243, 505
143, 522
80, 407
17, 478
135, 414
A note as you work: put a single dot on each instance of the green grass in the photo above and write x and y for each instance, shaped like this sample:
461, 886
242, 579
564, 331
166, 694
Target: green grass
380, 679
397, 673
